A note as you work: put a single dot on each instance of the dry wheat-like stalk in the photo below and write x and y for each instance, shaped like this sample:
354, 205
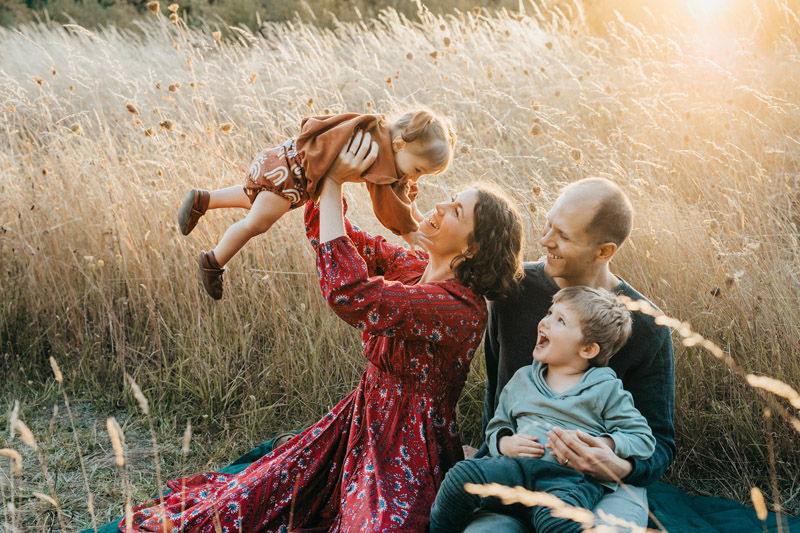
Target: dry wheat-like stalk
89, 495
16, 460
509, 495
45, 498
26, 435
117, 442
691, 338
116, 436
145, 406
56, 371
13, 419
776, 387
758, 503
187, 439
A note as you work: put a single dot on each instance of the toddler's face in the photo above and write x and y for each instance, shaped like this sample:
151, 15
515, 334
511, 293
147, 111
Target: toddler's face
560, 337
408, 164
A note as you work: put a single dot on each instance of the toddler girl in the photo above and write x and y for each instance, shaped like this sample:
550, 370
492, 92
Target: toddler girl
286, 176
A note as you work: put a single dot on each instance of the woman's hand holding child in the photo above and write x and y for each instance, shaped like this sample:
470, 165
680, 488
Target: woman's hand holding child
354, 159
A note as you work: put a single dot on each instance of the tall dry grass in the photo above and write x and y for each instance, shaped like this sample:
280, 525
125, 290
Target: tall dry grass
103, 132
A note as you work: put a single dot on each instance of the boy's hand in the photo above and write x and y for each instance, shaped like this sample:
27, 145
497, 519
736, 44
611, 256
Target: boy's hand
520, 445
416, 238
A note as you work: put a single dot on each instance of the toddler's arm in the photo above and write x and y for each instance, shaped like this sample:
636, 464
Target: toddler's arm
415, 239
416, 213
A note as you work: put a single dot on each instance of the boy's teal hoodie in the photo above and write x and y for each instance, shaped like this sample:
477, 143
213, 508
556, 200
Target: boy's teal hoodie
597, 404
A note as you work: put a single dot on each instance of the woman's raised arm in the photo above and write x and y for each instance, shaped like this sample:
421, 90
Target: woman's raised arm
354, 159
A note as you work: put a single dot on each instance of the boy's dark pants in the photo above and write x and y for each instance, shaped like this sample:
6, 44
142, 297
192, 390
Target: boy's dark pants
454, 506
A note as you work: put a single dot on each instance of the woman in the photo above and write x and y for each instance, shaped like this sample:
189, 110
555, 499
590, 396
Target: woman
375, 461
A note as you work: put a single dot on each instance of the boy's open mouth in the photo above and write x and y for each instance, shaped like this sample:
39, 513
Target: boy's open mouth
543, 341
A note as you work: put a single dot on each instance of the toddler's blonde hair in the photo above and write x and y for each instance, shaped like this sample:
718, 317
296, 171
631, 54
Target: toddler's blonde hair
429, 136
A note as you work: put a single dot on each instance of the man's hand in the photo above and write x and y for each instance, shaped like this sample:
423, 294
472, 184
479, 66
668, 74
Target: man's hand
356, 157
520, 445
588, 455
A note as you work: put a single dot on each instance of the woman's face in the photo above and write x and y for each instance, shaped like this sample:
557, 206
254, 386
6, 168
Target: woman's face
450, 224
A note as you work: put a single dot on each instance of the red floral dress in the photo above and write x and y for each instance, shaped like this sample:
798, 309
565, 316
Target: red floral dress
375, 462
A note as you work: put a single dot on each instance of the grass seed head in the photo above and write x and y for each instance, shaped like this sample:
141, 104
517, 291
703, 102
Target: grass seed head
16, 466
174, 18
776, 387
217, 35
26, 435
153, 7
116, 436
76, 129
759, 503
13, 419
167, 125
226, 128
45, 498
174, 8
713, 224
132, 109
187, 438
140, 397
56, 370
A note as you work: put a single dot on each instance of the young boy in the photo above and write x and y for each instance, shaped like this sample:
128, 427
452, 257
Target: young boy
569, 386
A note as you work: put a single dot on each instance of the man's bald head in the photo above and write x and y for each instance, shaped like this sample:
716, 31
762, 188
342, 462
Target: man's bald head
613, 217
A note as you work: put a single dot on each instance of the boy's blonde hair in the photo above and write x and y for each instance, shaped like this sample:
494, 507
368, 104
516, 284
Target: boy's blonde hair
432, 136
604, 320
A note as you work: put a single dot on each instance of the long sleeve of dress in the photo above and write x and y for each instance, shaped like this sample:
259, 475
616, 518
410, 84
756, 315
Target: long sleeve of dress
353, 271
381, 257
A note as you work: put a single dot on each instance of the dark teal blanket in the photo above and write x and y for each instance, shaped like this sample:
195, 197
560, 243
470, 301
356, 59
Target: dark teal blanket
677, 511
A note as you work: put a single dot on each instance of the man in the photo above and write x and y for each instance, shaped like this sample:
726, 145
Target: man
585, 228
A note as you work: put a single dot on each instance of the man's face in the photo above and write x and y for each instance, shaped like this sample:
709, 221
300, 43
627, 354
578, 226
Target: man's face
570, 251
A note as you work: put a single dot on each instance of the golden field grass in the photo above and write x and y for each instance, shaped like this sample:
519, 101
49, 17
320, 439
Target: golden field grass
102, 133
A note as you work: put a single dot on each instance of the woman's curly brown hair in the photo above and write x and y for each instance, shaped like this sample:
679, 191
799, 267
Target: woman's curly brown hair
492, 264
